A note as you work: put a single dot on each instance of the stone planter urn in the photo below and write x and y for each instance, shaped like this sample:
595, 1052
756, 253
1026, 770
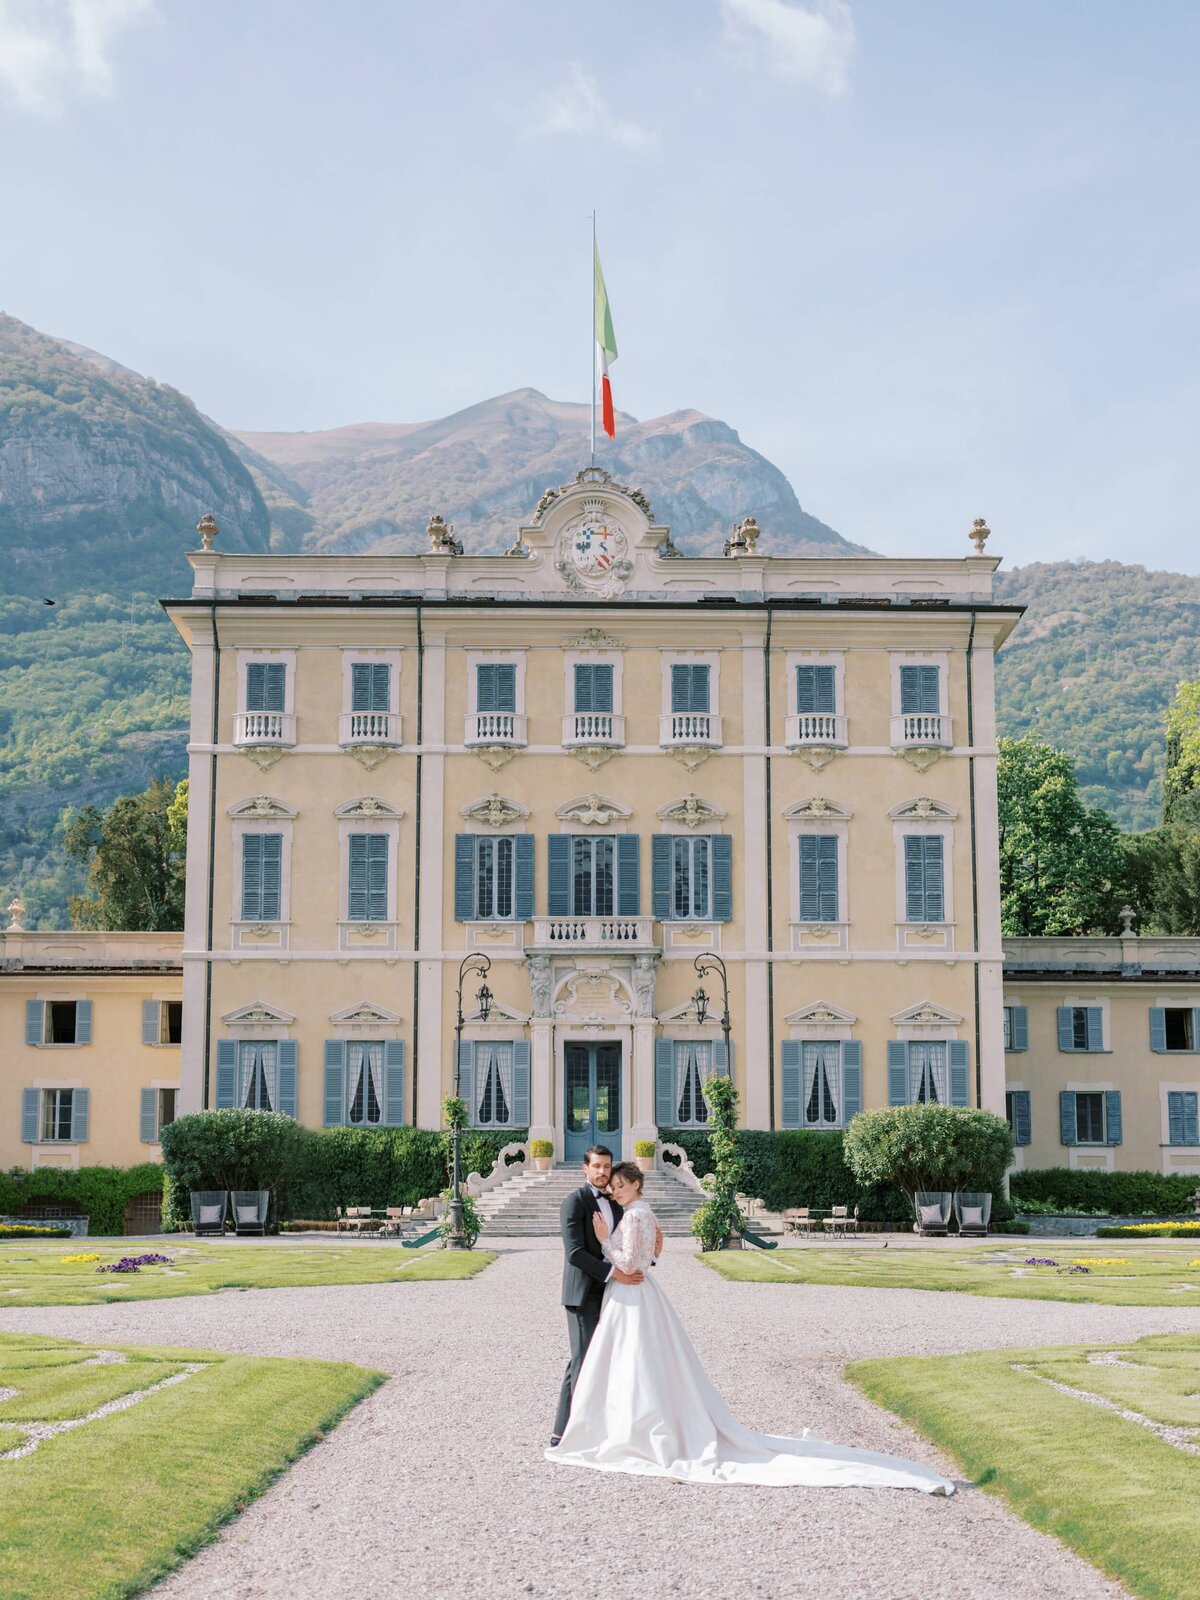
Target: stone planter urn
643, 1153
541, 1152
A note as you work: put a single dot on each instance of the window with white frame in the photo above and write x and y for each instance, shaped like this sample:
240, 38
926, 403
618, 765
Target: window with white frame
929, 1081
496, 686
1080, 1028
920, 690
1183, 1117
262, 877
1017, 1114
692, 877
370, 686
368, 878
1174, 1030
162, 1022
593, 686
924, 877
816, 688
928, 1072
819, 892
493, 877
1090, 1116
690, 686
266, 686
821, 1082
57, 1121
1016, 1028
58, 1022
691, 708
258, 1083
158, 1107
54, 1115
364, 1083
822, 1062
693, 1068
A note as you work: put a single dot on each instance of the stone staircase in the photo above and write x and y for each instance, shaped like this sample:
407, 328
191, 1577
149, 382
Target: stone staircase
527, 1206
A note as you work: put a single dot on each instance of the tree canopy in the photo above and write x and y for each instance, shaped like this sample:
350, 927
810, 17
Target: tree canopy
134, 855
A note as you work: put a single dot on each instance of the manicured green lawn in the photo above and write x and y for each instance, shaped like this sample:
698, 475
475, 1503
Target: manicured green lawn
35, 1275
1108, 1487
1161, 1273
104, 1509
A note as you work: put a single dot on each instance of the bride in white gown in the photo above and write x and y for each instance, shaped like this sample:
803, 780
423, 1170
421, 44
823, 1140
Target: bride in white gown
643, 1402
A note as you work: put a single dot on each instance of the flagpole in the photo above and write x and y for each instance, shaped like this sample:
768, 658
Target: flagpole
593, 460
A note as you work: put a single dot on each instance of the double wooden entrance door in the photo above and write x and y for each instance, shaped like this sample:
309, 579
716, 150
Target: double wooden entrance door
592, 1098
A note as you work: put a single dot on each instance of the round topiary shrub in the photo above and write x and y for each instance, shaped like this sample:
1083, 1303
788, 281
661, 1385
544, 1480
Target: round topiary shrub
929, 1147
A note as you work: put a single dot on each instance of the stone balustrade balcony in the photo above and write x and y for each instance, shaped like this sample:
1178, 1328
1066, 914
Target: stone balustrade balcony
815, 728
258, 728
496, 727
593, 728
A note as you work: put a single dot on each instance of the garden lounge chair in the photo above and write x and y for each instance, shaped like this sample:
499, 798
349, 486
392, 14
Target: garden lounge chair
840, 1220
798, 1219
974, 1214
933, 1212
208, 1211
250, 1210
393, 1222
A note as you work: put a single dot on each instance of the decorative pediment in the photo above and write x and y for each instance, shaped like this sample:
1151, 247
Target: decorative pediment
593, 811
499, 1016
494, 811
929, 1013
262, 805
593, 639
815, 808
256, 1013
686, 1013
366, 1012
922, 810
820, 1011
691, 811
368, 805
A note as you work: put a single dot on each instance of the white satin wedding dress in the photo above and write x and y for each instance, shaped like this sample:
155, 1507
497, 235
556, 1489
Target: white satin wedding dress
644, 1404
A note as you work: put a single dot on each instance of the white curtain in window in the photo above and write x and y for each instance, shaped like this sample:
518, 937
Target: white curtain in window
257, 1063
693, 1067
929, 1077
822, 1084
493, 1085
364, 1080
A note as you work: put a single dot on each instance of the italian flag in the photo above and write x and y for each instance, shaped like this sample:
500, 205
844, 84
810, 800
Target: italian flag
606, 348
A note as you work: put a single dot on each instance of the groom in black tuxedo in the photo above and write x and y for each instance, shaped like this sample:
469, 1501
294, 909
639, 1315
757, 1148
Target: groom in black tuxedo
586, 1269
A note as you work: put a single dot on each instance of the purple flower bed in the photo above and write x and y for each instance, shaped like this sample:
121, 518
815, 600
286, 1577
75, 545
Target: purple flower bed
1039, 1261
1069, 1270
135, 1263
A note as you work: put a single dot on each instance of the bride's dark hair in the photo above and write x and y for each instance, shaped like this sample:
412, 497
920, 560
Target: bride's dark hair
631, 1172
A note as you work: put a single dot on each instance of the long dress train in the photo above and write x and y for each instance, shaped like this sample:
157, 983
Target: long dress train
644, 1403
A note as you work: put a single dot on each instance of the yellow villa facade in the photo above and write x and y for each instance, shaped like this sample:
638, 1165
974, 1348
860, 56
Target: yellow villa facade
591, 760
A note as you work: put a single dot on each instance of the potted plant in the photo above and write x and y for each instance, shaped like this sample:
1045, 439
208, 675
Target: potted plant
542, 1151
643, 1153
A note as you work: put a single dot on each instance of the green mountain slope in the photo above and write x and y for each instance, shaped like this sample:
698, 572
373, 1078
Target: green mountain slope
1093, 667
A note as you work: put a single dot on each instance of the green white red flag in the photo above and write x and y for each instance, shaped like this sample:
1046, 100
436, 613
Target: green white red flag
606, 349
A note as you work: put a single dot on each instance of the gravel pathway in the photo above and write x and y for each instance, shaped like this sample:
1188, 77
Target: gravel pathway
435, 1486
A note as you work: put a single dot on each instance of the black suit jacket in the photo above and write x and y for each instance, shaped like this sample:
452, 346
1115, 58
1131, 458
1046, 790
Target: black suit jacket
586, 1269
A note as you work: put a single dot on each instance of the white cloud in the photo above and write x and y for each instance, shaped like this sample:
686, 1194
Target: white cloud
578, 107
810, 43
52, 49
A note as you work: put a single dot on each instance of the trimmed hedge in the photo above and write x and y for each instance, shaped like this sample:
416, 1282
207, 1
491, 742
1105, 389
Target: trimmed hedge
1116, 1194
802, 1167
1151, 1230
101, 1193
312, 1171
14, 1230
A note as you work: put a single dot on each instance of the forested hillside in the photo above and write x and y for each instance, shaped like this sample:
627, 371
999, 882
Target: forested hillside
1092, 669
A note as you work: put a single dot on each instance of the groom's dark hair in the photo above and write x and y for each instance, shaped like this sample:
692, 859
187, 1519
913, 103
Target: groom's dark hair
596, 1150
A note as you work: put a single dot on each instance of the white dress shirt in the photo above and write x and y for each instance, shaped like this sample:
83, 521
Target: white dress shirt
605, 1207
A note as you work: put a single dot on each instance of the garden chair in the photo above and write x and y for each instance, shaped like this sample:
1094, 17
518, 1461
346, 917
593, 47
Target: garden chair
840, 1220
798, 1219
393, 1222
250, 1210
360, 1219
933, 1212
974, 1214
208, 1211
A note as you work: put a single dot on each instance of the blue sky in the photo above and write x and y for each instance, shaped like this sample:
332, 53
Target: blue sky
935, 259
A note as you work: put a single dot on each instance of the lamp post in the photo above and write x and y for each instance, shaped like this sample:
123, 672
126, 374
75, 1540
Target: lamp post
705, 963
456, 1239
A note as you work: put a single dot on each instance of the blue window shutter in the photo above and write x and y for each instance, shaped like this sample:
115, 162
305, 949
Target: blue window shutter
1068, 1131
681, 687
506, 686
80, 1099
265, 685
629, 889
1158, 1029
960, 1073
286, 1092
1175, 1117
464, 877
815, 687
335, 1082
485, 687
660, 876
852, 1090
897, 1069
664, 1083
827, 877
593, 686
520, 1093
720, 1064
226, 1074
558, 875
31, 1100
914, 878
148, 1120
919, 690
360, 686
356, 905
466, 1073
1095, 1028
272, 876
393, 1083
35, 1024
377, 877
1191, 1118
810, 877
1066, 1035
83, 1022
151, 1021
722, 877
523, 899
251, 877
1022, 1119
792, 1084
1020, 1028
1112, 1116
255, 686
935, 896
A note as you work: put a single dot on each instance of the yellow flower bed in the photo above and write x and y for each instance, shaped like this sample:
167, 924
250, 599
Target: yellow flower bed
69, 1261
1100, 1261
1149, 1227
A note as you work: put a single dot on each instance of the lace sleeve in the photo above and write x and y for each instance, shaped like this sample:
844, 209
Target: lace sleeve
631, 1247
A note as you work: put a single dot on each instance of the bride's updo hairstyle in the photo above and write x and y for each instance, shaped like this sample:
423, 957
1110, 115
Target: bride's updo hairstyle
631, 1173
